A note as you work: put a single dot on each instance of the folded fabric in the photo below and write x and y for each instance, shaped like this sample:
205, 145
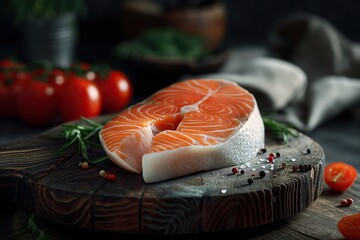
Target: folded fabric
275, 83
317, 78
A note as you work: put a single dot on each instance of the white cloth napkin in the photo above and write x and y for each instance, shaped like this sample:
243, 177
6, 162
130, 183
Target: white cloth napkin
317, 78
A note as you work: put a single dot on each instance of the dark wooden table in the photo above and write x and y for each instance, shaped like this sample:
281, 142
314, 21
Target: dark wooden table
319, 221
339, 138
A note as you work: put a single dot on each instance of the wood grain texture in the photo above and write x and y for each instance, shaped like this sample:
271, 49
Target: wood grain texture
318, 221
57, 190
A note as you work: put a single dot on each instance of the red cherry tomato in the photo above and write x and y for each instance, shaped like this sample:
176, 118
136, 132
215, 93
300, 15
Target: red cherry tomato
12, 86
55, 77
7, 104
79, 97
37, 104
339, 176
82, 69
349, 226
11, 64
116, 91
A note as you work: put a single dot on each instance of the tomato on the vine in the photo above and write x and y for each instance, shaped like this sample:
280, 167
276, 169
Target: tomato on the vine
11, 64
116, 91
79, 97
339, 176
7, 105
56, 77
13, 69
12, 86
37, 105
82, 69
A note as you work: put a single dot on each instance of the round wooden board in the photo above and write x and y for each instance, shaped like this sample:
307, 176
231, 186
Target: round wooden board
57, 190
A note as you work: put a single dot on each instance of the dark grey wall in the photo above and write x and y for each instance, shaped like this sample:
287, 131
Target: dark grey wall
249, 20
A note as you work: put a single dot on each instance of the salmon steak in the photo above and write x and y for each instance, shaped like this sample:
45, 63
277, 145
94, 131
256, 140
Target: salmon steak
188, 127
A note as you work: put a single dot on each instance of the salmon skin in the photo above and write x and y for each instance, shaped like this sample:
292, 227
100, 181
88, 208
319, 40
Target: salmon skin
190, 126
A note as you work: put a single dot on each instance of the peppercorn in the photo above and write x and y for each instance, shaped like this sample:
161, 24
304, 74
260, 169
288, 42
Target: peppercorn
302, 167
344, 203
295, 168
308, 151
262, 173
84, 165
102, 173
283, 165
242, 171
349, 201
262, 150
110, 177
250, 181
277, 154
234, 170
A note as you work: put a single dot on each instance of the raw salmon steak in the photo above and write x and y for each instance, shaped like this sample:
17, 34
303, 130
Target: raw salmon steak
191, 126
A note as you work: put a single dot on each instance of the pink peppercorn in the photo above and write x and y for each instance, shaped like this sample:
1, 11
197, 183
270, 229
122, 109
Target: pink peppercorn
111, 177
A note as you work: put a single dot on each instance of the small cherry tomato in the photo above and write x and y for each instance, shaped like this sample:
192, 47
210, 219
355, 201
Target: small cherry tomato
55, 77
12, 87
82, 69
79, 97
339, 176
7, 104
116, 91
349, 226
11, 64
37, 104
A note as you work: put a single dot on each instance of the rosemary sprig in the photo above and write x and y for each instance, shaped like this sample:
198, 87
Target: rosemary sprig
280, 130
83, 136
37, 228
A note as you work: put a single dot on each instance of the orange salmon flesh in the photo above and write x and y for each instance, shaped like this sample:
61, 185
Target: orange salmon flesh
191, 126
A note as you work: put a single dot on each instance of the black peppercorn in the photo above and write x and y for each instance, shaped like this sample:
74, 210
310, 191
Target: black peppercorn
242, 171
250, 181
262, 173
262, 150
301, 167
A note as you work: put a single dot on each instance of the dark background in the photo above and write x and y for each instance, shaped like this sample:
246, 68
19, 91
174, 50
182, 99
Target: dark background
249, 22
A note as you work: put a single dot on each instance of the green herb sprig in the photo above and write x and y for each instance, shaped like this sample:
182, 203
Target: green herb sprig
82, 135
280, 130
45, 8
37, 228
165, 43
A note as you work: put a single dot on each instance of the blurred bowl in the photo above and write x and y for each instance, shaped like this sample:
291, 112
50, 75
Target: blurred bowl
208, 20
159, 72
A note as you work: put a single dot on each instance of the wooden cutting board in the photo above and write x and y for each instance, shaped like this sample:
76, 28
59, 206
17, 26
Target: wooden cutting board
56, 189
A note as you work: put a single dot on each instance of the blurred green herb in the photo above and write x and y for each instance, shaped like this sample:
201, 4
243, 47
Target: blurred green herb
280, 130
82, 135
165, 43
45, 8
37, 228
